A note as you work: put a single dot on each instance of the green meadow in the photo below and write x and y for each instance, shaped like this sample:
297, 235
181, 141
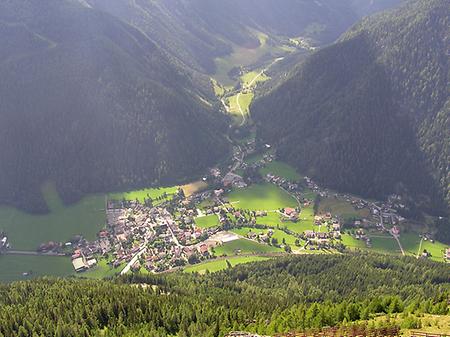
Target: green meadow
13, 266
352, 243
384, 244
207, 221
282, 170
272, 219
244, 100
265, 196
241, 56
244, 246
27, 231
254, 158
305, 222
277, 234
143, 194
341, 208
102, 270
253, 77
221, 264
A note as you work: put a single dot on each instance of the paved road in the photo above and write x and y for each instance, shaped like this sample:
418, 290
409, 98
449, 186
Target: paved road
393, 235
134, 259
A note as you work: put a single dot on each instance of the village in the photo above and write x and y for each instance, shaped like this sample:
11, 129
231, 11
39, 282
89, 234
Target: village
162, 235
166, 233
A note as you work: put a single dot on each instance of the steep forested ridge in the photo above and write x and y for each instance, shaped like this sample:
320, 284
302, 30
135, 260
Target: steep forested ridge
370, 114
275, 296
197, 31
91, 103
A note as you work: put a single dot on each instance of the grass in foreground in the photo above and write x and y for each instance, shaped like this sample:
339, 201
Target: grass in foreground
221, 264
265, 196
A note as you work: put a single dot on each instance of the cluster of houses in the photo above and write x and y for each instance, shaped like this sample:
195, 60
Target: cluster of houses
144, 236
159, 238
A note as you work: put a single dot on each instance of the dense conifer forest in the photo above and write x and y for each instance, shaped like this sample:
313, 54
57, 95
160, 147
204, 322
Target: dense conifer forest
369, 114
275, 296
90, 103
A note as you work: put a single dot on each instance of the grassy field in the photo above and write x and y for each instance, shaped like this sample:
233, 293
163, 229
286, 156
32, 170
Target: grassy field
141, 195
306, 221
254, 158
12, 267
436, 249
277, 234
244, 101
196, 186
241, 56
272, 219
253, 76
282, 170
102, 270
244, 246
217, 265
341, 208
218, 89
28, 231
411, 243
429, 323
207, 221
261, 197
352, 243
384, 244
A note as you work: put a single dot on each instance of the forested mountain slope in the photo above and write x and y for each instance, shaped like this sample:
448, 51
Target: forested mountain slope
92, 104
282, 295
197, 31
370, 114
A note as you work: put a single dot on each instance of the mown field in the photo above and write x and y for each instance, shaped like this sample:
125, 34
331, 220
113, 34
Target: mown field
221, 264
265, 196
207, 221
